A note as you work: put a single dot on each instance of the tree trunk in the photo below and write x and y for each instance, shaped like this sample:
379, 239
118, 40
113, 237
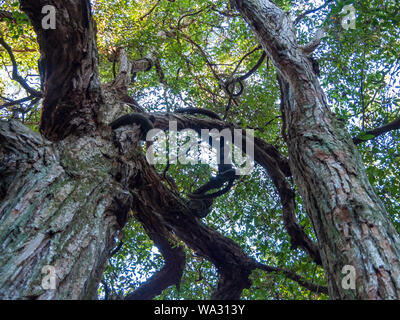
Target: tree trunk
58, 204
350, 221
61, 204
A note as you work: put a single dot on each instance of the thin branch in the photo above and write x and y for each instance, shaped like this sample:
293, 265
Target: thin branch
214, 95
21, 50
15, 74
394, 125
255, 68
6, 15
25, 110
203, 53
191, 14
5, 98
301, 16
315, 42
244, 57
151, 11
232, 96
295, 277
226, 13
116, 250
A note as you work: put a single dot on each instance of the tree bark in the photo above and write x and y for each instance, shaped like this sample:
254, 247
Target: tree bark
60, 207
68, 67
61, 204
270, 159
350, 221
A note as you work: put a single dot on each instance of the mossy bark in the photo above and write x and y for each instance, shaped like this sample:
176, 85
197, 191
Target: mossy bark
350, 221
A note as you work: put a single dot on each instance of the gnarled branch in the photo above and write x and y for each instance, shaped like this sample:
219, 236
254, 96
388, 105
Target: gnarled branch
269, 158
234, 266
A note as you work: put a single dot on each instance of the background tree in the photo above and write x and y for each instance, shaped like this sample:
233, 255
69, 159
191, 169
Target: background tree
81, 197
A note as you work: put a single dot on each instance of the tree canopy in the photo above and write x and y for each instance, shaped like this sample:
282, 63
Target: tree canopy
198, 47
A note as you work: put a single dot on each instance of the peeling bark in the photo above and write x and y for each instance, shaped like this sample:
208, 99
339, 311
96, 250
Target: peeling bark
350, 221
58, 208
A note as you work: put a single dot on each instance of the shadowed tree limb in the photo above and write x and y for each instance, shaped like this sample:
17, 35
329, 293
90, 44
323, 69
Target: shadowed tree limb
230, 85
269, 158
295, 277
244, 57
6, 15
15, 102
233, 264
394, 125
174, 256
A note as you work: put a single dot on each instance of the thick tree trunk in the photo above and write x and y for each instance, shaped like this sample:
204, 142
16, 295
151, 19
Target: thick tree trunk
61, 204
350, 221
58, 204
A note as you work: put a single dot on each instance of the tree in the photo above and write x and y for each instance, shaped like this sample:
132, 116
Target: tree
71, 191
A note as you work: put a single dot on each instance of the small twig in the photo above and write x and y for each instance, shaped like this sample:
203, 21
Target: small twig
203, 53
191, 14
115, 251
244, 57
301, 16
295, 277
151, 11
15, 102
226, 13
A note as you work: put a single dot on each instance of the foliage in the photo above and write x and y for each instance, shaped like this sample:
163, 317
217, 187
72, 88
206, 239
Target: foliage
19, 35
